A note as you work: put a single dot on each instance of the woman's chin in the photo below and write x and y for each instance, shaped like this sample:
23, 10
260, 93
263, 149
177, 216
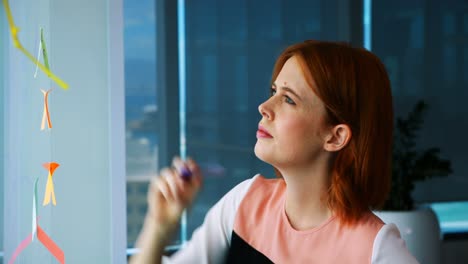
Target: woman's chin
262, 154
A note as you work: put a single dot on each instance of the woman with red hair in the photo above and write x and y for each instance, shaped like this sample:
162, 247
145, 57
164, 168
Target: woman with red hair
327, 131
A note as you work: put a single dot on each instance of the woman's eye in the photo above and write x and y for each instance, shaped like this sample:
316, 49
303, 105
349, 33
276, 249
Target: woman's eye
289, 100
272, 92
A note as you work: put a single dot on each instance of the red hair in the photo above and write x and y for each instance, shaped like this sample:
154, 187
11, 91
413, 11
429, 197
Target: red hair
355, 89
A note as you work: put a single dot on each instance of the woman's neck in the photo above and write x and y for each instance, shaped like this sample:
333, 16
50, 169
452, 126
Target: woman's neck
306, 197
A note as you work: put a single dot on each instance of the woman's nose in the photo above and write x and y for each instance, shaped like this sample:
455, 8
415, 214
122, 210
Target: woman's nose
265, 111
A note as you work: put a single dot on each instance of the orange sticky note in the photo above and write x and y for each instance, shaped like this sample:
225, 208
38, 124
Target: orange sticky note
50, 245
46, 114
49, 192
42, 236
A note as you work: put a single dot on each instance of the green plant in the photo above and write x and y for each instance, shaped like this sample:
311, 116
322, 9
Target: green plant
411, 164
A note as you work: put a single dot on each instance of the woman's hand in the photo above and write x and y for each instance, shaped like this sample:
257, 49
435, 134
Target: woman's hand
171, 193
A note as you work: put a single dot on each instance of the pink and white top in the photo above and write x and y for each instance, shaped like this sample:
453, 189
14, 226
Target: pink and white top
249, 225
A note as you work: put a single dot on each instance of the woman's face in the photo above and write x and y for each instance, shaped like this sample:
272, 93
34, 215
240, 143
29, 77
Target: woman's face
292, 129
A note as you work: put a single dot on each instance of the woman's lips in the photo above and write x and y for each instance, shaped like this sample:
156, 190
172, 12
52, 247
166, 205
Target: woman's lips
263, 133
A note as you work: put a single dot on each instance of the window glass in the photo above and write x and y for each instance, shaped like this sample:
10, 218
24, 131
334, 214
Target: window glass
141, 110
231, 47
427, 58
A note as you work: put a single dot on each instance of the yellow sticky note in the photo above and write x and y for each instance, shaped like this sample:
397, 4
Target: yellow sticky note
14, 35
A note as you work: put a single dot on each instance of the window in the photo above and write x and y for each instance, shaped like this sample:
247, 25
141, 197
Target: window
141, 111
427, 59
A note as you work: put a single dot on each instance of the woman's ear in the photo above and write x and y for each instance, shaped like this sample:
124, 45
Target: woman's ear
339, 137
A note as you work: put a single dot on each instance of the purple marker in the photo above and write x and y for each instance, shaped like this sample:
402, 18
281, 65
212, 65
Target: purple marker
185, 173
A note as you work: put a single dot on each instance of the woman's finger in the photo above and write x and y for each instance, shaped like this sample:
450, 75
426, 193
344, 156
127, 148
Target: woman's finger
176, 185
164, 184
156, 197
196, 172
182, 169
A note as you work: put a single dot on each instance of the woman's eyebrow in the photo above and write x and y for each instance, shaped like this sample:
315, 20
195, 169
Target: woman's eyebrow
286, 88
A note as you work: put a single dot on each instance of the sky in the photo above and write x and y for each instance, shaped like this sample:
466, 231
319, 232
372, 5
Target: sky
140, 30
